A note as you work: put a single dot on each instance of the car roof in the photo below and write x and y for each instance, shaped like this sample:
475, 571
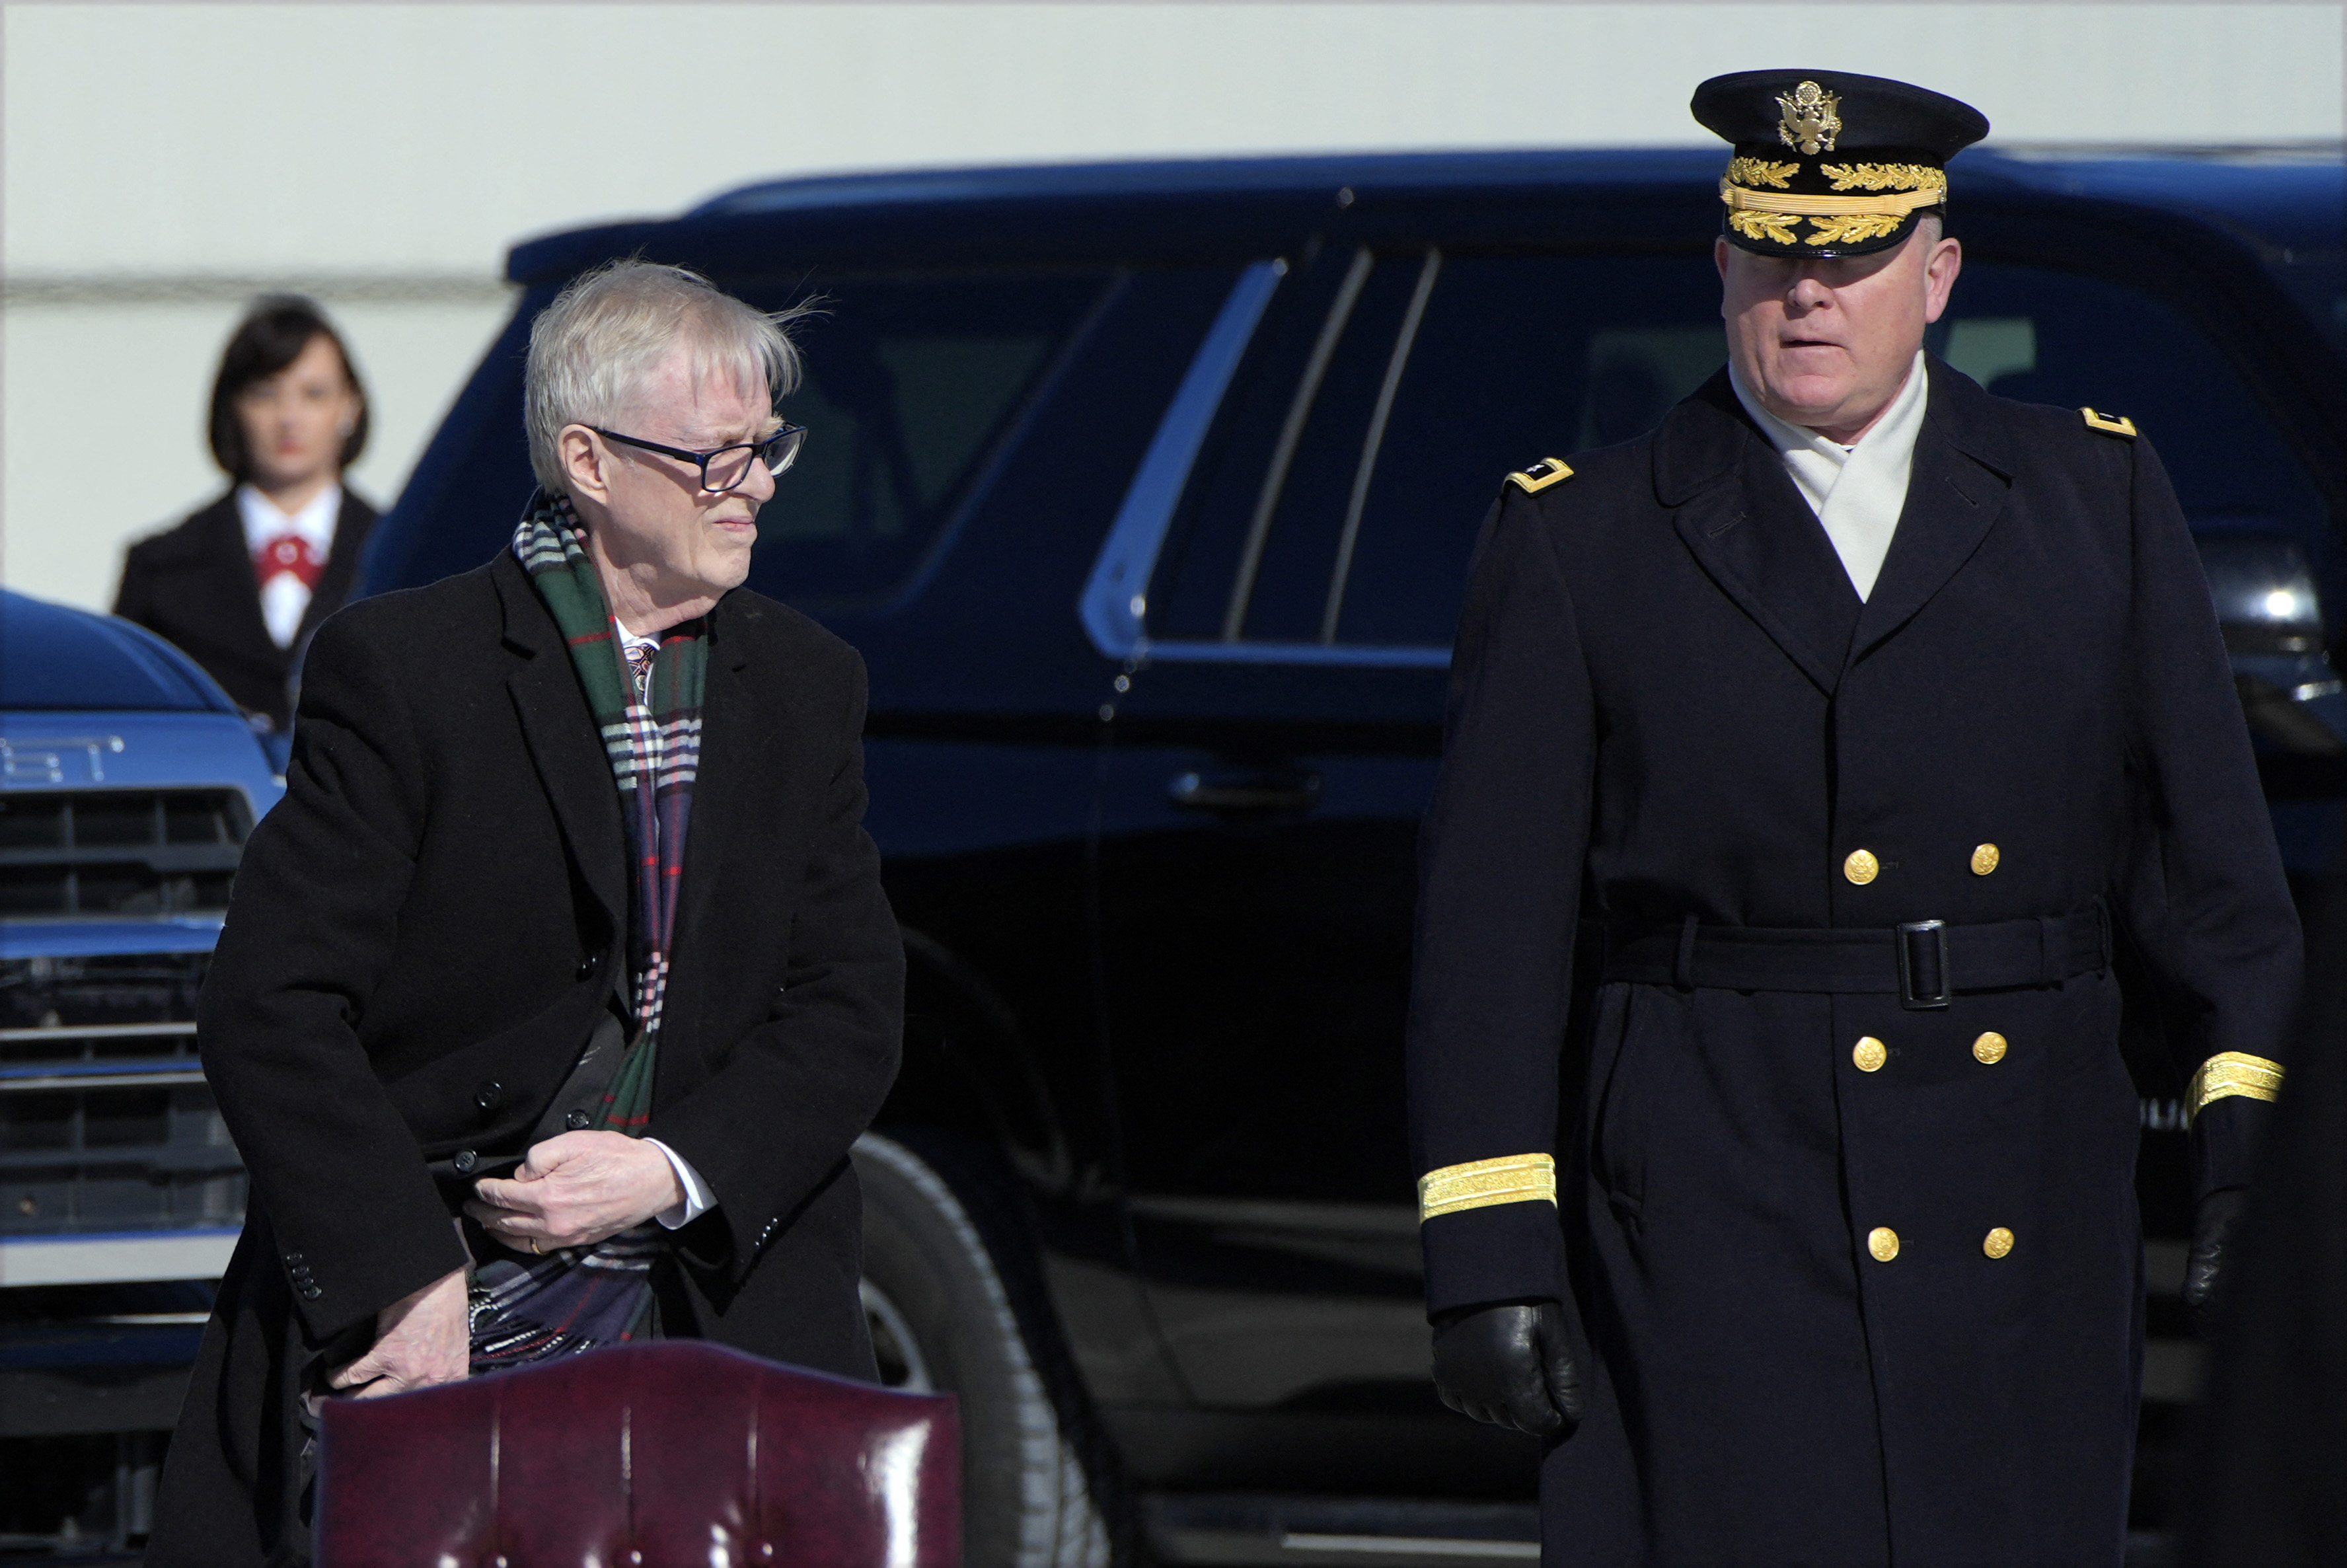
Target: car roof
2282, 195
56, 658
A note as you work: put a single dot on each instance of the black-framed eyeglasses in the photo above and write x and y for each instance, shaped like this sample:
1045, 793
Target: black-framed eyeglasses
725, 468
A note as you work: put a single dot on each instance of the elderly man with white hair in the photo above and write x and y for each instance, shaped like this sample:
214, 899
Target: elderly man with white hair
519, 1064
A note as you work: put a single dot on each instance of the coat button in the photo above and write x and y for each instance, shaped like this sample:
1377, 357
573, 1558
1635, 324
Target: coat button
1861, 867
589, 965
1985, 859
466, 1160
1883, 1243
310, 1293
487, 1095
1869, 1054
575, 1120
1989, 1048
1997, 1242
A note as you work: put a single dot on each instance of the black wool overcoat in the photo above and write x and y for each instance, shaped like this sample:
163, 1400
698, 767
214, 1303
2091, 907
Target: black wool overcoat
1669, 703
194, 586
421, 940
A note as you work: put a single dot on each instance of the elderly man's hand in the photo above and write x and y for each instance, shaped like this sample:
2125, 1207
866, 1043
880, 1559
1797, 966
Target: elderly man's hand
575, 1190
419, 1340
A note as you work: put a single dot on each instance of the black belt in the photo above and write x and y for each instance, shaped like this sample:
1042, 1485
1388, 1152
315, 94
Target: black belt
1924, 962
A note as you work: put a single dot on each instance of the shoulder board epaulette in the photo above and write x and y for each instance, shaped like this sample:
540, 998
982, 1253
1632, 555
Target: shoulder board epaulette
1540, 476
2109, 424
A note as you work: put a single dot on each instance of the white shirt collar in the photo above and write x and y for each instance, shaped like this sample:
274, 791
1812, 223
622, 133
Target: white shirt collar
263, 522
1856, 491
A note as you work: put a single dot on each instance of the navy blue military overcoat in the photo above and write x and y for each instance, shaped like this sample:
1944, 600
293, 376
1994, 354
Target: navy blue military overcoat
1853, 1257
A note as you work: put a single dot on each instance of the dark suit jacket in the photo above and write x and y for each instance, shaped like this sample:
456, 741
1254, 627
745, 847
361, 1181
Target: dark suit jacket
1668, 704
422, 936
194, 586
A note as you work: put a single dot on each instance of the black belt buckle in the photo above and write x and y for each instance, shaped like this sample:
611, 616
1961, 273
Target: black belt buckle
1924, 955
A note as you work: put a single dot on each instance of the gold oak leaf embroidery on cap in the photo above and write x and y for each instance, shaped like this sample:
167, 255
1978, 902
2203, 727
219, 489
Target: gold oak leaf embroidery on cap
1853, 228
1760, 171
1884, 176
1764, 226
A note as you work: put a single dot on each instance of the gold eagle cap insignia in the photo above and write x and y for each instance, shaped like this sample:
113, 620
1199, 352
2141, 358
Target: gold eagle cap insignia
1812, 118
1540, 476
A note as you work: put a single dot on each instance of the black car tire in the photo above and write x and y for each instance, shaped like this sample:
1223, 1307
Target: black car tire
947, 1314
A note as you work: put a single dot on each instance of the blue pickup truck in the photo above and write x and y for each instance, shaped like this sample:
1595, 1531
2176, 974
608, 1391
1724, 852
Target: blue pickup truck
127, 783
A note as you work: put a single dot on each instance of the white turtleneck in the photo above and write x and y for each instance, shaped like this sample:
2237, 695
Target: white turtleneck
1856, 491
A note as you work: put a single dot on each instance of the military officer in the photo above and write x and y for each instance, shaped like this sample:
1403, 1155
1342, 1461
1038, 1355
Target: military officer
1807, 758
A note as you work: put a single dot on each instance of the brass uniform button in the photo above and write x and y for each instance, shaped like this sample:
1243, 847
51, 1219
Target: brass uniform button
1985, 859
1997, 1242
1989, 1048
1861, 867
1883, 1243
1869, 1054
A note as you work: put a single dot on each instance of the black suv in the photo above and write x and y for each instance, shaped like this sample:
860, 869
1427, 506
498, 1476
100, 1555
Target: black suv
1147, 491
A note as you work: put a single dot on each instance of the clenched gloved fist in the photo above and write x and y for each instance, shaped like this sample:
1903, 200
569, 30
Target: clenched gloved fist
1509, 1365
2216, 1228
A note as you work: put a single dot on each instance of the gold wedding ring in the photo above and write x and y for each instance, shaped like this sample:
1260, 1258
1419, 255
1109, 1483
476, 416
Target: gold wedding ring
533, 1247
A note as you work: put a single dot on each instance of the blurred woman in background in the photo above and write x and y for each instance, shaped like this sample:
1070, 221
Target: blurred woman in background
242, 583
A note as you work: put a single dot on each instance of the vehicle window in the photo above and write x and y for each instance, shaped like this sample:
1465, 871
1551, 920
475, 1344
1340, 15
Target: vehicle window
1299, 518
1438, 374
911, 385
2272, 559
2044, 336
1308, 349
1467, 367
1519, 358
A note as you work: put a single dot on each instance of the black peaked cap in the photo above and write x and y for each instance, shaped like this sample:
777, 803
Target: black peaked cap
1830, 163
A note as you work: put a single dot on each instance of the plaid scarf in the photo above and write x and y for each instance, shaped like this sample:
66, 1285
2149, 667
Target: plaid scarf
649, 715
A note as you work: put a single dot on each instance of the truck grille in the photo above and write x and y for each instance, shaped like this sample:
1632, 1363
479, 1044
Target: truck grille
105, 1123
119, 852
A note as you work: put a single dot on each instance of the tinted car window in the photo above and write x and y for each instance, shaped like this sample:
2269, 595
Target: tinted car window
2052, 337
1248, 467
1519, 358
1467, 367
1439, 373
911, 385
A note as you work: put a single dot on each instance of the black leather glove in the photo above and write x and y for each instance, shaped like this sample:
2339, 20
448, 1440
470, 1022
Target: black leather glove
1509, 1365
2216, 1230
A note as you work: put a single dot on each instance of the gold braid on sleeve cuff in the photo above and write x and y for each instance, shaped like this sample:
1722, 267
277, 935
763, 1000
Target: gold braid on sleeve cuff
1479, 1183
2230, 1073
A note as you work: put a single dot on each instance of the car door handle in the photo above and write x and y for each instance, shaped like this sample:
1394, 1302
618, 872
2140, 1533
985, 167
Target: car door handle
1250, 793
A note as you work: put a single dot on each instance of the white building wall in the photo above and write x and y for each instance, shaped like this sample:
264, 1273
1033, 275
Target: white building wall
164, 162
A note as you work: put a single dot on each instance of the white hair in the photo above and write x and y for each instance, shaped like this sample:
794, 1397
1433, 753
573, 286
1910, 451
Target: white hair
591, 350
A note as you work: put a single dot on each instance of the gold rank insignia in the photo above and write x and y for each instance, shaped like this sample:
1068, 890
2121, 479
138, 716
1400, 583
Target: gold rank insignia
2228, 1073
1540, 476
2109, 424
1482, 1183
